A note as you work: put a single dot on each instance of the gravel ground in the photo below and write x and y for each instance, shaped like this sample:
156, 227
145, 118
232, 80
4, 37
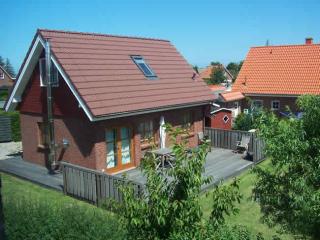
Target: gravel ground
9, 148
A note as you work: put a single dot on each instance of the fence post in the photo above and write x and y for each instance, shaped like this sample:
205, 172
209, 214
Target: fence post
98, 189
65, 182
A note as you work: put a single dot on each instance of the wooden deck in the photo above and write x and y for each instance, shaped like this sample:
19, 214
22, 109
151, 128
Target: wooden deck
221, 164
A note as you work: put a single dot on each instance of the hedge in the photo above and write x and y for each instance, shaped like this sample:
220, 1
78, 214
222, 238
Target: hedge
15, 124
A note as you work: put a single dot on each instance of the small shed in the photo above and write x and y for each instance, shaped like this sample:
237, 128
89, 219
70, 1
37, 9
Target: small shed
220, 118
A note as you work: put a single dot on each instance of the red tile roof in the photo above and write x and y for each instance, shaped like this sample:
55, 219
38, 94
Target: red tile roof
287, 70
215, 87
205, 73
102, 71
232, 96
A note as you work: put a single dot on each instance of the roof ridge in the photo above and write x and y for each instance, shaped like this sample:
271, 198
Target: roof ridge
288, 45
101, 34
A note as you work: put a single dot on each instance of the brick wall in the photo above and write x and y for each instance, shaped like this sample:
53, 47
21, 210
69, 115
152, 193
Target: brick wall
284, 101
6, 82
216, 120
87, 140
78, 132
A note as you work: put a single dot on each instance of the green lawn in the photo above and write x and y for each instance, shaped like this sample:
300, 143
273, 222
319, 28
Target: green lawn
249, 214
33, 212
20, 196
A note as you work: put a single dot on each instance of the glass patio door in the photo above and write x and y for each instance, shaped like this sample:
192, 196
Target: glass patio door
119, 148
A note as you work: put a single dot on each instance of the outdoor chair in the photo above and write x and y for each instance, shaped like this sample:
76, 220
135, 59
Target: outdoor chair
243, 145
204, 139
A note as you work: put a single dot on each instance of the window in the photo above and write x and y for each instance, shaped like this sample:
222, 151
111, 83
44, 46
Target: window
42, 134
186, 121
1, 74
144, 67
145, 130
257, 104
225, 118
275, 105
54, 73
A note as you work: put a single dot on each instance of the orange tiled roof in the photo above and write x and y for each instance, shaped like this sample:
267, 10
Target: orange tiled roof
232, 96
215, 87
206, 72
287, 70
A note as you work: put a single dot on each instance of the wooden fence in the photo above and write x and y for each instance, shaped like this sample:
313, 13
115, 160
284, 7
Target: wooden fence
91, 185
5, 129
221, 138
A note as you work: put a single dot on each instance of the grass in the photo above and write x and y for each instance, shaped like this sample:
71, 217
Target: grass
34, 212
14, 189
249, 211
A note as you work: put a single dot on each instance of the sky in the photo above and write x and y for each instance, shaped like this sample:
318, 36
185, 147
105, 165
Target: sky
203, 30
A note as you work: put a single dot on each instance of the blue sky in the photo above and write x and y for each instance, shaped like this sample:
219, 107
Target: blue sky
203, 30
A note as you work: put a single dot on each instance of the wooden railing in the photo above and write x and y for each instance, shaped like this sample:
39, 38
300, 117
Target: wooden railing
91, 185
221, 138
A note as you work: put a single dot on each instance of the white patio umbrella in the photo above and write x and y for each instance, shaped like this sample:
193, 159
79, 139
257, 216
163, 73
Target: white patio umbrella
162, 133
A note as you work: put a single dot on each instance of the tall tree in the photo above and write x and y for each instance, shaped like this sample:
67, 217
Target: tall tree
217, 76
289, 191
234, 68
196, 68
1, 61
214, 63
9, 68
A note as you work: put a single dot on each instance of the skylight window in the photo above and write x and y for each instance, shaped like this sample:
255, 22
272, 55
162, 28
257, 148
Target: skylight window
144, 67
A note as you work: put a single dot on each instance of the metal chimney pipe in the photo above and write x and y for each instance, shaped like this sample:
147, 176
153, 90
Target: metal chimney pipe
50, 125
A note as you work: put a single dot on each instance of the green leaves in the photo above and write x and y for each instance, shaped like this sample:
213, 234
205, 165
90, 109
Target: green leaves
170, 208
287, 191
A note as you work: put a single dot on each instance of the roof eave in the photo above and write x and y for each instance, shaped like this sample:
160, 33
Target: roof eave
150, 110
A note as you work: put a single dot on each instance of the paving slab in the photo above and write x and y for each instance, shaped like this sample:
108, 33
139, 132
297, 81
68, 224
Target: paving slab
221, 164
35, 173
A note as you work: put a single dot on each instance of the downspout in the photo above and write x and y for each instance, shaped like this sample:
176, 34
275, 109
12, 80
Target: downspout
50, 125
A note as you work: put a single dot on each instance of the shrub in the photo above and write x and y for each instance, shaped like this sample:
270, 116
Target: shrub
243, 122
170, 207
37, 219
15, 124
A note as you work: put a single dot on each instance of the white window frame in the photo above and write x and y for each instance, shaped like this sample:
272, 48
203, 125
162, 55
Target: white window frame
1, 74
226, 116
55, 74
275, 101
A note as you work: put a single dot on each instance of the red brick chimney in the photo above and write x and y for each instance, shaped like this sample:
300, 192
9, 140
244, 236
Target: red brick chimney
309, 40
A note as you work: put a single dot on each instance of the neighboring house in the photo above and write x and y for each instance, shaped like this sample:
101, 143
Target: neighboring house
205, 73
109, 96
274, 76
226, 108
6, 81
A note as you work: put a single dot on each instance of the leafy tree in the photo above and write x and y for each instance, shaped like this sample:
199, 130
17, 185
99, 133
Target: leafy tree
1, 61
289, 191
170, 206
196, 68
9, 68
215, 63
234, 68
243, 122
217, 76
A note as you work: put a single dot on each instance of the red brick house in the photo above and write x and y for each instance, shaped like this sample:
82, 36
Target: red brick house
109, 94
274, 76
6, 80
